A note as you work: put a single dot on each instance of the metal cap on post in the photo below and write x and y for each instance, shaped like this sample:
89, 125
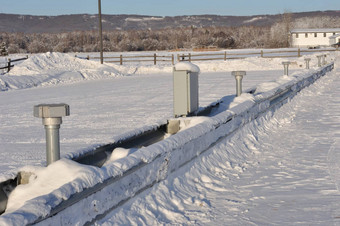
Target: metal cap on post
285, 66
307, 60
51, 117
238, 76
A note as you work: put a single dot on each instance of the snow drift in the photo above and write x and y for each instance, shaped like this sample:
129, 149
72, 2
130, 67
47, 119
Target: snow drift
53, 68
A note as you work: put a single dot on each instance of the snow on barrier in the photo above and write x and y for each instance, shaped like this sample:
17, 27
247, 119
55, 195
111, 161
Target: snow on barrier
92, 195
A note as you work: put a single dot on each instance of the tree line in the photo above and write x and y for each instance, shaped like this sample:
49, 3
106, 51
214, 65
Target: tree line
275, 36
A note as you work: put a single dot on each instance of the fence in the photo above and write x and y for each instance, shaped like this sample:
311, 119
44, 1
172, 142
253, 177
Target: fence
10, 65
226, 55
192, 57
241, 55
136, 58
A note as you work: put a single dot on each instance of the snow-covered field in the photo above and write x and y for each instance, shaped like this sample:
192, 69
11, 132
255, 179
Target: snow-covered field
109, 101
106, 101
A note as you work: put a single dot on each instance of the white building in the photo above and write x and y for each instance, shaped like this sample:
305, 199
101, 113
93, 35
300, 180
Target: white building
314, 37
335, 39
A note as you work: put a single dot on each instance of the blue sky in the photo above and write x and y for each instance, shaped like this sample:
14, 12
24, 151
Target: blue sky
165, 7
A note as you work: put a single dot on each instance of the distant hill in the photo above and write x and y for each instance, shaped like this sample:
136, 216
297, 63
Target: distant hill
86, 22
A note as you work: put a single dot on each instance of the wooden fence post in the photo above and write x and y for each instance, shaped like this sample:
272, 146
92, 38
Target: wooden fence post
172, 59
9, 65
154, 59
189, 57
179, 57
88, 57
121, 59
225, 55
261, 53
299, 52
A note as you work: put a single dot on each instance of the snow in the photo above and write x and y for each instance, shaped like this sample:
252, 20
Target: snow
131, 19
98, 114
190, 195
254, 19
119, 153
312, 30
55, 68
285, 183
46, 180
187, 66
279, 169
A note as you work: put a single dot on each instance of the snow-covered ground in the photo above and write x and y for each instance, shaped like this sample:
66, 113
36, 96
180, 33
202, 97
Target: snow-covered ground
106, 101
109, 101
281, 169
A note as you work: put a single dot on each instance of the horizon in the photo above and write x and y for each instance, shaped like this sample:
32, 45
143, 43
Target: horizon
159, 8
270, 14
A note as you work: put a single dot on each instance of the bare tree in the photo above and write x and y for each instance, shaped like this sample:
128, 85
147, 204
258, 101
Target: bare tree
166, 39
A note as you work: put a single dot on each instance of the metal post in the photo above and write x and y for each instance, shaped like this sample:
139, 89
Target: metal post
319, 60
51, 117
238, 76
52, 126
307, 62
100, 31
285, 65
324, 59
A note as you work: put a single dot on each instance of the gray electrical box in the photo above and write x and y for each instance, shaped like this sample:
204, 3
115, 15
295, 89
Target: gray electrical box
185, 92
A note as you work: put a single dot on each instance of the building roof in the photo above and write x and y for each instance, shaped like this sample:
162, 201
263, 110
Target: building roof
316, 30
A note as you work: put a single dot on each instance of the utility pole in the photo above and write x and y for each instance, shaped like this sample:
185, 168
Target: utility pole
100, 31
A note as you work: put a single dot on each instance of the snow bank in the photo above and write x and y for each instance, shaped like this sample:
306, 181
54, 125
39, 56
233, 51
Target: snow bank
124, 177
46, 180
36, 64
55, 68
